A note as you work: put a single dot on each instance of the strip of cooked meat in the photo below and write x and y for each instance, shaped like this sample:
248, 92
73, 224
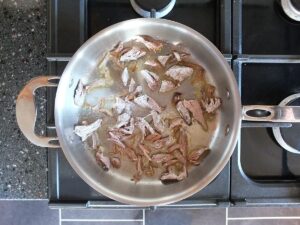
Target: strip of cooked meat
133, 94
162, 157
102, 160
151, 78
170, 163
171, 175
157, 121
163, 59
147, 102
125, 76
130, 153
123, 120
80, 93
179, 73
95, 140
133, 54
116, 133
174, 147
151, 63
163, 142
128, 129
119, 105
211, 105
139, 171
179, 156
176, 122
183, 141
131, 85
84, 131
166, 86
177, 96
119, 50
144, 126
145, 151
150, 43
153, 137
122, 106
194, 107
179, 55
195, 156
115, 162
184, 113
115, 139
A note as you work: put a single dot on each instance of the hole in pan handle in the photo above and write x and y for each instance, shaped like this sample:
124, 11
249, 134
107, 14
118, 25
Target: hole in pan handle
277, 131
26, 111
269, 113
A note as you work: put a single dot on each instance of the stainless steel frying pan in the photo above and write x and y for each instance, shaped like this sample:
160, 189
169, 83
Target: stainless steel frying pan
115, 186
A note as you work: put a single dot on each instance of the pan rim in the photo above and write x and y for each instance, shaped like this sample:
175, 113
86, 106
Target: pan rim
235, 127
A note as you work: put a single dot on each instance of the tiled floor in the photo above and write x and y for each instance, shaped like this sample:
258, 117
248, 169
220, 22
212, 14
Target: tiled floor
263, 216
38, 213
27, 213
101, 217
210, 216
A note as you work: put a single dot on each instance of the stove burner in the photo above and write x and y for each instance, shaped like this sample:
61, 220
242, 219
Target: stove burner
153, 8
291, 9
291, 133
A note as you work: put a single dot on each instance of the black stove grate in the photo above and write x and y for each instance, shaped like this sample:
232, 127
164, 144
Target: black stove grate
262, 27
84, 18
262, 172
260, 43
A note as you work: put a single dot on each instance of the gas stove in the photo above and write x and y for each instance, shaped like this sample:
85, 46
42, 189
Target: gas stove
259, 39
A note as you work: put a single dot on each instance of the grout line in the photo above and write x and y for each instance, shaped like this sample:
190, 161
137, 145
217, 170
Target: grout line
101, 220
97, 222
226, 217
184, 207
24, 200
266, 218
144, 222
59, 213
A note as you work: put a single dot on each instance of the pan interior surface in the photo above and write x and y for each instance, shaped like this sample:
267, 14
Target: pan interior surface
117, 185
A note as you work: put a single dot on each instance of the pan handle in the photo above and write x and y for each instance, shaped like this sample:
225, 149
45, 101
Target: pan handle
26, 112
268, 113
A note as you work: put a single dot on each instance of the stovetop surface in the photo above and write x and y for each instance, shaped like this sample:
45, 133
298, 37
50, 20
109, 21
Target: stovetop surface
200, 15
266, 84
267, 29
258, 41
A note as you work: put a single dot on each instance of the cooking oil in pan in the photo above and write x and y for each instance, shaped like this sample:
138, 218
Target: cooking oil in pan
190, 88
